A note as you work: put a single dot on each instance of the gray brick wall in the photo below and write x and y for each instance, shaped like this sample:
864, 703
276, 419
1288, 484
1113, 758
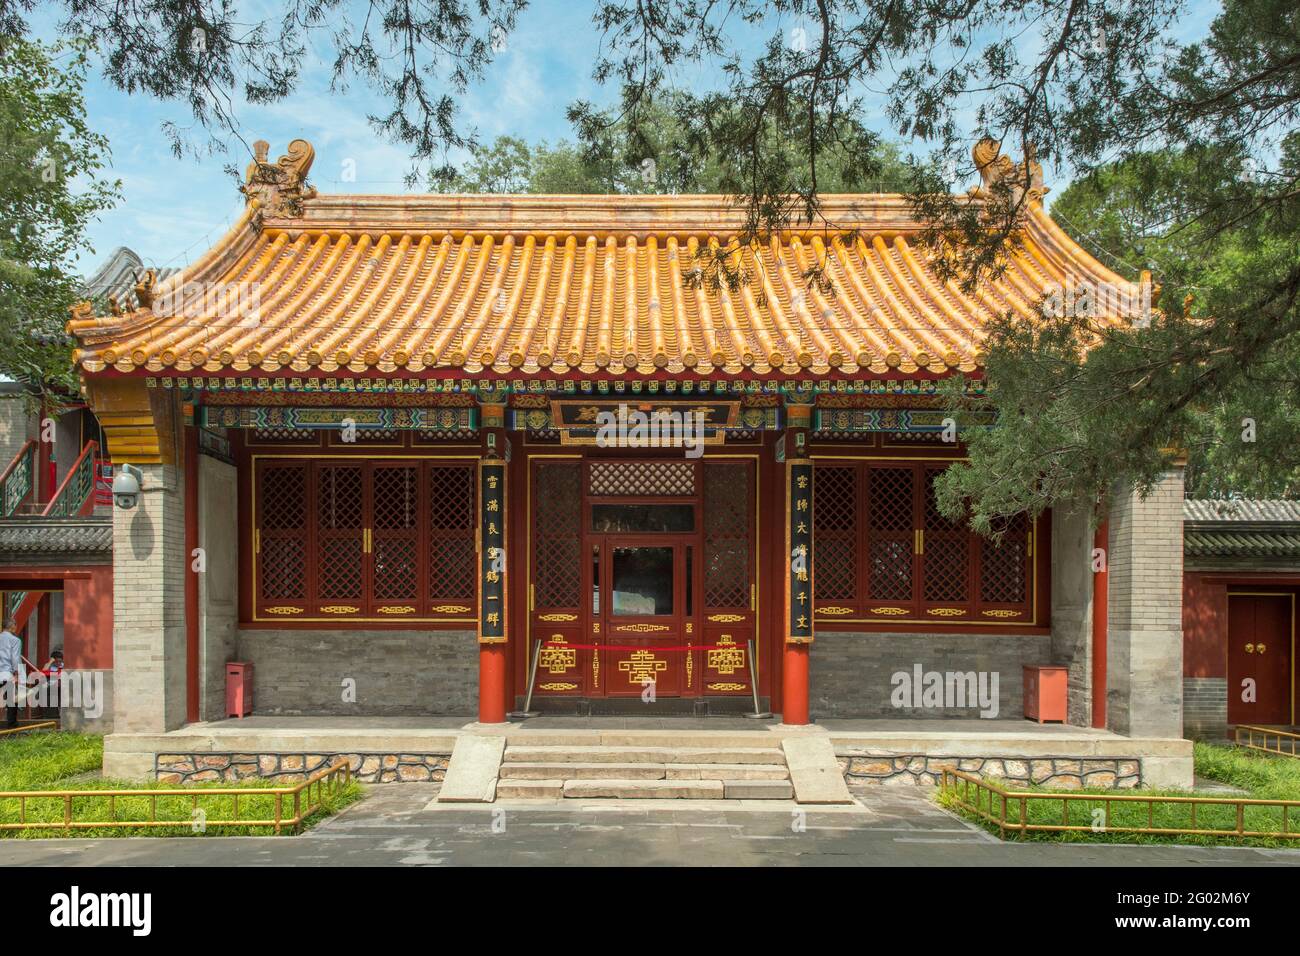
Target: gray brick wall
1205, 708
396, 672
850, 674
149, 606
1145, 663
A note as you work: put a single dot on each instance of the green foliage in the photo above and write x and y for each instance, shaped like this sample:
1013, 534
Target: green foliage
657, 154
51, 186
1262, 777
48, 760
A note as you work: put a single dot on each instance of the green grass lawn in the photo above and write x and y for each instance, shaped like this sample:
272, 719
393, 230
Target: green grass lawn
52, 760
1263, 777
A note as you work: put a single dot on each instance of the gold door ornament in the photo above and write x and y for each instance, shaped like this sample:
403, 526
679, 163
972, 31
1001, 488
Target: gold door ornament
641, 628
558, 660
557, 618
642, 667
726, 658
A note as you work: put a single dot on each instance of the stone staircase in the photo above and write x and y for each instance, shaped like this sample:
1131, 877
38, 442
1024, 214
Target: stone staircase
568, 771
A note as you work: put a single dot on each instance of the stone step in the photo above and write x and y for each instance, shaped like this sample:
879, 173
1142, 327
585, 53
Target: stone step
517, 789
663, 755
758, 789
645, 789
579, 771
643, 771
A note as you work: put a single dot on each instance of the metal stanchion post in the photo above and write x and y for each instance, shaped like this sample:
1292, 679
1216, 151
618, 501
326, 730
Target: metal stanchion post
532, 679
759, 713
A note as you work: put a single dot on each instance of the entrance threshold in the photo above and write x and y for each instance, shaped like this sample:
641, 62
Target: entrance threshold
635, 707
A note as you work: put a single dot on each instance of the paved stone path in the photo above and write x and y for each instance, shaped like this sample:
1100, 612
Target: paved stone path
400, 824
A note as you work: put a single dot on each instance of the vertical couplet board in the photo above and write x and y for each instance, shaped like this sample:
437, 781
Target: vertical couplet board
798, 551
492, 552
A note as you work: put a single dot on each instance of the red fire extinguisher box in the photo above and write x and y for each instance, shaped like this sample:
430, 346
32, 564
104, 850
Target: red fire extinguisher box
1046, 692
239, 689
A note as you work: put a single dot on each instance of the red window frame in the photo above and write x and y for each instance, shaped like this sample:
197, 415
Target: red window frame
410, 537
882, 552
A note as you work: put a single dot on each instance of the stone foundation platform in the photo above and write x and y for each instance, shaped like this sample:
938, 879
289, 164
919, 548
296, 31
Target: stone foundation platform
887, 752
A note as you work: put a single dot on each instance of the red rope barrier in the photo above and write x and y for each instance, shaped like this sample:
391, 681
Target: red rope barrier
641, 647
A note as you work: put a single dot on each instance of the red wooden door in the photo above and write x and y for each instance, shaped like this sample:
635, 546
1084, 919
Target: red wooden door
1259, 658
642, 610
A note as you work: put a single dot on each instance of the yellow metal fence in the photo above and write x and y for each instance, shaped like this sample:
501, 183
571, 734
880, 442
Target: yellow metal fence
1021, 812
285, 807
1267, 739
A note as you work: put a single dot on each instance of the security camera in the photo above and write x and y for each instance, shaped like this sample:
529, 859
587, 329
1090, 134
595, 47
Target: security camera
126, 487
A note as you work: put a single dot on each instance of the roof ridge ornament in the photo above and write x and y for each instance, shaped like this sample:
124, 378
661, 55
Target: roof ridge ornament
1000, 172
279, 188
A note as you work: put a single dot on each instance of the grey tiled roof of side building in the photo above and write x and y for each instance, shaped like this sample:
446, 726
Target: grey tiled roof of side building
1267, 510
22, 538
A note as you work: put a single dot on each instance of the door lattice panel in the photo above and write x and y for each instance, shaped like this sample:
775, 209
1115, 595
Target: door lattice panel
946, 557
890, 545
397, 499
726, 535
558, 577
451, 533
650, 478
282, 570
1004, 566
282, 498
282, 510
339, 498
396, 569
835, 529
339, 570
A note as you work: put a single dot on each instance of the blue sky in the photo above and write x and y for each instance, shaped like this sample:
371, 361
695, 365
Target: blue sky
173, 209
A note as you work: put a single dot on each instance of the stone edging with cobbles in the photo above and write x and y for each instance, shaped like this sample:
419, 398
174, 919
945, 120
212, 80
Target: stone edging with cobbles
293, 767
1062, 773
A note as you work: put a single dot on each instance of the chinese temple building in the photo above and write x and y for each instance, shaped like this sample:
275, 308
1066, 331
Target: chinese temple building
422, 455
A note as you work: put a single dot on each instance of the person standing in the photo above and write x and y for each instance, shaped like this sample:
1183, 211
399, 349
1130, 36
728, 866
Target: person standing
53, 672
11, 670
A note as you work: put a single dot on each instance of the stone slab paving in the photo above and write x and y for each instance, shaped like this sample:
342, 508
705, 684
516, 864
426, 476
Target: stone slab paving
405, 826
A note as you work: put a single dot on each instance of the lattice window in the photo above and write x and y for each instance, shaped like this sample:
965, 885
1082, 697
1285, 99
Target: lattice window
835, 532
890, 534
282, 509
1004, 566
727, 573
648, 478
451, 533
558, 577
945, 557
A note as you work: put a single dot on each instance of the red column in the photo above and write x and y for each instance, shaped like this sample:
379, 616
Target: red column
798, 585
794, 697
493, 656
1100, 624
492, 683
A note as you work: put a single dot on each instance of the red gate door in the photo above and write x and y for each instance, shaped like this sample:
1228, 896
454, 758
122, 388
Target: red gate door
1259, 658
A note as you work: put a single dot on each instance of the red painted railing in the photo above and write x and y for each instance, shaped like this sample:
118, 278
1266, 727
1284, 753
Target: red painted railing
76, 496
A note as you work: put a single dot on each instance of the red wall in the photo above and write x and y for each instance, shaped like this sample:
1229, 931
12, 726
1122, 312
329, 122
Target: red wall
1205, 625
88, 620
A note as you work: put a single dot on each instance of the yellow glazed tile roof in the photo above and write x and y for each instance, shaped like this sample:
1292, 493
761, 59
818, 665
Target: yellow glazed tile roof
585, 284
